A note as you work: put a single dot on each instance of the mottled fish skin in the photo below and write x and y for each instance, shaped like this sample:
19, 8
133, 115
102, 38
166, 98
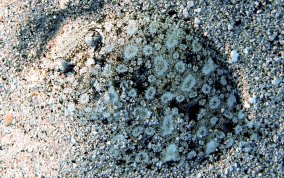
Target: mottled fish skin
74, 42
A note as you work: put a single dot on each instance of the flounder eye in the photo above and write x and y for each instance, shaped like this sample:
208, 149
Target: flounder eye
93, 39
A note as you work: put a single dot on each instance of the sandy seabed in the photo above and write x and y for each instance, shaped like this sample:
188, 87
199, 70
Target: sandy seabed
141, 89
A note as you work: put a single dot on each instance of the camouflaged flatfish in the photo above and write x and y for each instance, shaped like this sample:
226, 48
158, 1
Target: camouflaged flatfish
70, 43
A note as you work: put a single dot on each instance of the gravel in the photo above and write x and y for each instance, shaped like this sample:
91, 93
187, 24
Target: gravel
59, 107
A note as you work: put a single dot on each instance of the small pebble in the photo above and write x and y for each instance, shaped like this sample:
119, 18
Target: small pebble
234, 56
73, 141
63, 4
230, 27
185, 13
196, 22
190, 4
246, 50
8, 118
276, 81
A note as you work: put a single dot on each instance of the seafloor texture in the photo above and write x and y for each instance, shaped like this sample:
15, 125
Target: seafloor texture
141, 88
